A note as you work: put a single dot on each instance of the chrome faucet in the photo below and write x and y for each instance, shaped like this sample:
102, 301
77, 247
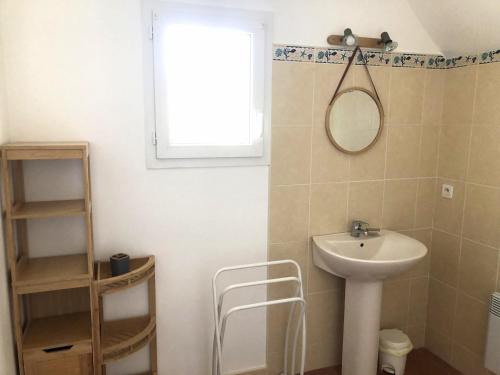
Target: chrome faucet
359, 228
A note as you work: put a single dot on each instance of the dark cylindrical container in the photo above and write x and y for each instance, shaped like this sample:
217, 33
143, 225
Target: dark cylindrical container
120, 264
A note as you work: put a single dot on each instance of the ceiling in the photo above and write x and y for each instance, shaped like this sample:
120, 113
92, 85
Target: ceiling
460, 27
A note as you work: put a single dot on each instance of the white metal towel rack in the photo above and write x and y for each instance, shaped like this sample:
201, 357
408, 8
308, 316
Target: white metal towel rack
295, 299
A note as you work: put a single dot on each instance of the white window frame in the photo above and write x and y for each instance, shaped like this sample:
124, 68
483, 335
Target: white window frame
157, 154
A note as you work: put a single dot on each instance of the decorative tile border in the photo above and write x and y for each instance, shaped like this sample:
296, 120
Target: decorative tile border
489, 57
339, 55
293, 53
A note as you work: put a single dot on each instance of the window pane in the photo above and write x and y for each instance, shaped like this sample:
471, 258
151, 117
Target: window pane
209, 85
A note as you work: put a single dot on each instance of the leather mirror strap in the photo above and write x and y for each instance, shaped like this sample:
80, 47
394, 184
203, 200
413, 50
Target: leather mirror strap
349, 64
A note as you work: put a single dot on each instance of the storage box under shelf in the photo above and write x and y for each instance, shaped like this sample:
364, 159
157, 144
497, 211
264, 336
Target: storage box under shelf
58, 345
57, 331
51, 273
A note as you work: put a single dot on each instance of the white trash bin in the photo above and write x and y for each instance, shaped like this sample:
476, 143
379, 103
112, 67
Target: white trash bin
394, 347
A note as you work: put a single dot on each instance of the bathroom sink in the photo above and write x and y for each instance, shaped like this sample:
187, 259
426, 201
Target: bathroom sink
373, 257
364, 262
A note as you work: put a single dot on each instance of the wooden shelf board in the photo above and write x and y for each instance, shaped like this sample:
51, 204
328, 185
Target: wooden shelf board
46, 145
119, 336
52, 273
55, 331
141, 270
43, 209
45, 150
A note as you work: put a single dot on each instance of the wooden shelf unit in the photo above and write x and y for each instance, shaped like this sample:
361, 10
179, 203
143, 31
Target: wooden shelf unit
120, 338
50, 339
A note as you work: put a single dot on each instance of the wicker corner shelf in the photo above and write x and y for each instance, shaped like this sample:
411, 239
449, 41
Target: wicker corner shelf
120, 338
141, 269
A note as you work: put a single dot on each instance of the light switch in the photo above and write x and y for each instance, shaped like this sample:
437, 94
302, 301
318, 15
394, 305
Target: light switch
447, 191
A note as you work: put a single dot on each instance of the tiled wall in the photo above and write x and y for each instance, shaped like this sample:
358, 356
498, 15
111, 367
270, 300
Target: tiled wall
316, 189
466, 238
442, 125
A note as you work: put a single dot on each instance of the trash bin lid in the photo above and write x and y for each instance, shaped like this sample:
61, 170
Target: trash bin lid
394, 339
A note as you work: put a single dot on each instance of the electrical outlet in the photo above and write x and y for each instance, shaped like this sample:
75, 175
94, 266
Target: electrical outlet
447, 191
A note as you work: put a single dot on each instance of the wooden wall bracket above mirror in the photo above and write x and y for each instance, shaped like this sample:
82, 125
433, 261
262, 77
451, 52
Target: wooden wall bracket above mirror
355, 116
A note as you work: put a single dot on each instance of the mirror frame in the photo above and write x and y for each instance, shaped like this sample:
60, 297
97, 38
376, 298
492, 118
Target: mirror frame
329, 110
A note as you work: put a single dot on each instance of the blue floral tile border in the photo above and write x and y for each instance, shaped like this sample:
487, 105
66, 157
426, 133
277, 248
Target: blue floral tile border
293, 53
489, 57
340, 55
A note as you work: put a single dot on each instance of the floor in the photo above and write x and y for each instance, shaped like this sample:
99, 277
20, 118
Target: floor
420, 362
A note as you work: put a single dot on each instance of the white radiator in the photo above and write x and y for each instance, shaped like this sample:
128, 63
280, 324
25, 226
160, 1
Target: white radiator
492, 356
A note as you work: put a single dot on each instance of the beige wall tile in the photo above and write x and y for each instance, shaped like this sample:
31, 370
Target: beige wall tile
445, 257
470, 324
292, 94
422, 268
440, 312
321, 281
399, 204
484, 156
458, 96
478, 270
325, 316
406, 97
365, 202
296, 251
487, 105
289, 213
498, 279
275, 362
417, 336
467, 362
277, 318
291, 156
453, 151
426, 198
482, 216
433, 97
429, 151
403, 146
328, 163
448, 213
438, 344
327, 77
395, 304
370, 165
323, 354
328, 208
381, 78
419, 293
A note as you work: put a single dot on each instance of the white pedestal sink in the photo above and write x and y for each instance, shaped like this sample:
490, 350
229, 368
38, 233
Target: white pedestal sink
364, 262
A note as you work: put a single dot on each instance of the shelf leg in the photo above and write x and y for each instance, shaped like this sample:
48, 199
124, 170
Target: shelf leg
96, 329
16, 311
152, 312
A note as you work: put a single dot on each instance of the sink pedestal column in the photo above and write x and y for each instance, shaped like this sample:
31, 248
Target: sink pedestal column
363, 301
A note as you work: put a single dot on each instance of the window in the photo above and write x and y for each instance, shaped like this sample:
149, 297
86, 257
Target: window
209, 86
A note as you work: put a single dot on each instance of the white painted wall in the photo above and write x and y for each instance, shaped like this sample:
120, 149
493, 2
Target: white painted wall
309, 22
460, 27
73, 70
7, 366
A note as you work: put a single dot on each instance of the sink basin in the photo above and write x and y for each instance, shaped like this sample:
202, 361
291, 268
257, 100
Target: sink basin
374, 257
364, 262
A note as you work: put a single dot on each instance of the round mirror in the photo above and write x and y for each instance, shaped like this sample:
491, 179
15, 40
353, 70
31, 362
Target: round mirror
354, 120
